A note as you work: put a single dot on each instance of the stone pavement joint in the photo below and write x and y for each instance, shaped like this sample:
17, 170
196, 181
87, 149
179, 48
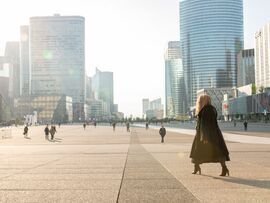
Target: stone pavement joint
145, 179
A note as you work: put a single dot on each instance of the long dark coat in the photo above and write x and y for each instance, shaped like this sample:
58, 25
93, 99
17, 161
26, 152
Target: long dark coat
208, 145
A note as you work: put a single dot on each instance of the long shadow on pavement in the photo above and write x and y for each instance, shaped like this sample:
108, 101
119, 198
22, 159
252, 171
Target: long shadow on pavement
265, 184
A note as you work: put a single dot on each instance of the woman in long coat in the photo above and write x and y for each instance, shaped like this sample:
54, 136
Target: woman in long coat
208, 145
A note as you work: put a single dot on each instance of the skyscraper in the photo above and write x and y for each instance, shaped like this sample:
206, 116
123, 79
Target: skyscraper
57, 56
24, 61
262, 69
12, 57
102, 85
174, 81
57, 59
145, 106
245, 67
211, 35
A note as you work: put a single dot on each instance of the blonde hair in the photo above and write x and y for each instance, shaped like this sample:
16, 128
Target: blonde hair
202, 101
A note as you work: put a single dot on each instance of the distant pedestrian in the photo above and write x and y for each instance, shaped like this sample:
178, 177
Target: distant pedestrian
95, 123
146, 125
25, 131
52, 132
245, 125
114, 124
128, 127
162, 132
84, 126
234, 123
208, 145
59, 124
47, 131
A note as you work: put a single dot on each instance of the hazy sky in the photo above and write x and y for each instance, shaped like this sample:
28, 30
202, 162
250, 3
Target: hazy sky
127, 37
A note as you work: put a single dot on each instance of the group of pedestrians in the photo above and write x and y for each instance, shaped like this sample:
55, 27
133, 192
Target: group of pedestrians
51, 132
127, 126
208, 145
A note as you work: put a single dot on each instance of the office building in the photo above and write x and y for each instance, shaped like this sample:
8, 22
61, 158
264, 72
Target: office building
211, 36
262, 57
25, 79
12, 59
57, 58
245, 67
102, 86
145, 106
175, 95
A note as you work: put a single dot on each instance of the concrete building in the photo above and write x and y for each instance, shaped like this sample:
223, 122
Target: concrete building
255, 106
102, 86
245, 67
262, 57
211, 35
57, 58
25, 76
4, 83
175, 94
49, 108
154, 110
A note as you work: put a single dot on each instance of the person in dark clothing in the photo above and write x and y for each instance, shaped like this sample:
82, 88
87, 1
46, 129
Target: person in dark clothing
47, 131
114, 124
25, 131
128, 128
245, 125
59, 124
52, 132
146, 125
162, 132
84, 126
208, 145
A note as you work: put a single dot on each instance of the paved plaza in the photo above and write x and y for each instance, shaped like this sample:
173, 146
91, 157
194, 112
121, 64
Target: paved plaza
99, 165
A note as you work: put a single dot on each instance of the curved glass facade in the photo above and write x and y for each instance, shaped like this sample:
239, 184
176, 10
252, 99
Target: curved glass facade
211, 35
174, 82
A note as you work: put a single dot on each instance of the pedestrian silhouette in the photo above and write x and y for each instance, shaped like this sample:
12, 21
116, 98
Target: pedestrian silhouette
52, 132
128, 127
208, 145
245, 125
84, 126
146, 125
162, 132
47, 131
114, 124
25, 131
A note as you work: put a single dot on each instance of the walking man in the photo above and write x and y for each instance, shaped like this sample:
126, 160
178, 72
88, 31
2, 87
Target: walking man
46, 130
128, 130
25, 131
114, 124
245, 125
52, 132
162, 132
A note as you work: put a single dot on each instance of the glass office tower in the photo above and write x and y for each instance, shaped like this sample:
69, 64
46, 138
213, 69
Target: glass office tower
211, 35
174, 81
57, 56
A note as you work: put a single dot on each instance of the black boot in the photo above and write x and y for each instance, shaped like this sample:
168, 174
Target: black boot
225, 170
196, 169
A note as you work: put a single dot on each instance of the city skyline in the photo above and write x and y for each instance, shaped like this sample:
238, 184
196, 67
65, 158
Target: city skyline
127, 43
